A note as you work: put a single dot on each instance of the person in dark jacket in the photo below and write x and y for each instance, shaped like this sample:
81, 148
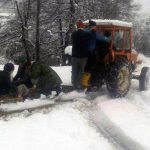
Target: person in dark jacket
22, 76
98, 71
6, 85
44, 79
79, 55
94, 37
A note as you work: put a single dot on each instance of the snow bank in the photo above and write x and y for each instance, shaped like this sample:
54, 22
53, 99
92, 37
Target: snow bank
26, 104
42, 101
65, 74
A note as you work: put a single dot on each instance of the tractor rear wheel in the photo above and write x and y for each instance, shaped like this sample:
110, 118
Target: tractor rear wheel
119, 79
144, 80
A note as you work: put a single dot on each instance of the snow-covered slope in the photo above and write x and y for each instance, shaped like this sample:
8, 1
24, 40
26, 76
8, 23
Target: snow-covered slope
73, 126
63, 128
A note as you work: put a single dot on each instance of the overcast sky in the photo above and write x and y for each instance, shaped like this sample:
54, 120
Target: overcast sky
145, 5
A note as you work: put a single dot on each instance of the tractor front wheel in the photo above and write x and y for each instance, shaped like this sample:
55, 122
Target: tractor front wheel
144, 80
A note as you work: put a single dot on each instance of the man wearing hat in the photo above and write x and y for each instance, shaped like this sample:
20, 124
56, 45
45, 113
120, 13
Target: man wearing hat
79, 55
93, 37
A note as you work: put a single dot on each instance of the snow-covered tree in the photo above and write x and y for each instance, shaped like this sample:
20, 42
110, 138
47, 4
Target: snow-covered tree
56, 22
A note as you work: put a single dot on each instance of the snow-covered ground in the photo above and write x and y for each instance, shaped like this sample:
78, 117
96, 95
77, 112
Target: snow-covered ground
78, 125
63, 128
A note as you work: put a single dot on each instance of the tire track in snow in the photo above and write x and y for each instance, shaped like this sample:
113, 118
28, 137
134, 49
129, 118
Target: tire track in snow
114, 134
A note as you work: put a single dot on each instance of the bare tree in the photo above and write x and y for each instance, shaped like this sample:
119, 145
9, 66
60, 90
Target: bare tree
37, 31
24, 16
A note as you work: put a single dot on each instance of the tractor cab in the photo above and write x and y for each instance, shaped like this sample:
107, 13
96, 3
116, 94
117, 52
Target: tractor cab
120, 36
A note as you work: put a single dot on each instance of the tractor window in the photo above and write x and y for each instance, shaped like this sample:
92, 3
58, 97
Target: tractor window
118, 40
127, 40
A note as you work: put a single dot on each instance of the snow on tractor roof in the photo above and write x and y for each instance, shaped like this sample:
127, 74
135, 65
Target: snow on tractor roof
111, 22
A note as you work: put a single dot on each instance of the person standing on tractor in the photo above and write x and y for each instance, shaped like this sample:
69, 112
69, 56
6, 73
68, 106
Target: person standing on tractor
98, 71
44, 79
93, 38
79, 55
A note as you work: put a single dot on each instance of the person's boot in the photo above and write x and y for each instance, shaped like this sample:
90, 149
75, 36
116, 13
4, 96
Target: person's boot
86, 79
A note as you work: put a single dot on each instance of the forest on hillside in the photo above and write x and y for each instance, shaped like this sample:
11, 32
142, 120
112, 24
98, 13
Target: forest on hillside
41, 29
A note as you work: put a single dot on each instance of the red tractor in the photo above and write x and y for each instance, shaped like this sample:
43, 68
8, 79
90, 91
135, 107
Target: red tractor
120, 60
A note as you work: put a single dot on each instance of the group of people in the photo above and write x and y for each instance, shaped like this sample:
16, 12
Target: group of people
86, 43
31, 80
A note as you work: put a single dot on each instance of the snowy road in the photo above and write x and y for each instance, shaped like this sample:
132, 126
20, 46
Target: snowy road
115, 135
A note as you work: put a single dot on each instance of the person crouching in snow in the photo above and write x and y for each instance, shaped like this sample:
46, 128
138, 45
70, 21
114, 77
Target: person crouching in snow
22, 76
7, 87
44, 79
22, 79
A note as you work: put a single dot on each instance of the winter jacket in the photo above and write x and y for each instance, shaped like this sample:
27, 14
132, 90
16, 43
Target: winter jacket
44, 75
93, 37
6, 86
101, 49
79, 49
22, 77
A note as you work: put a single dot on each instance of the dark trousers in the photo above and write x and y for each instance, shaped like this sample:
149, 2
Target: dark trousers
90, 65
11, 91
78, 66
97, 74
96, 68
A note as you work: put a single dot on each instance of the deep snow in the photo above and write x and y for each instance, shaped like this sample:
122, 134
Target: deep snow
70, 126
